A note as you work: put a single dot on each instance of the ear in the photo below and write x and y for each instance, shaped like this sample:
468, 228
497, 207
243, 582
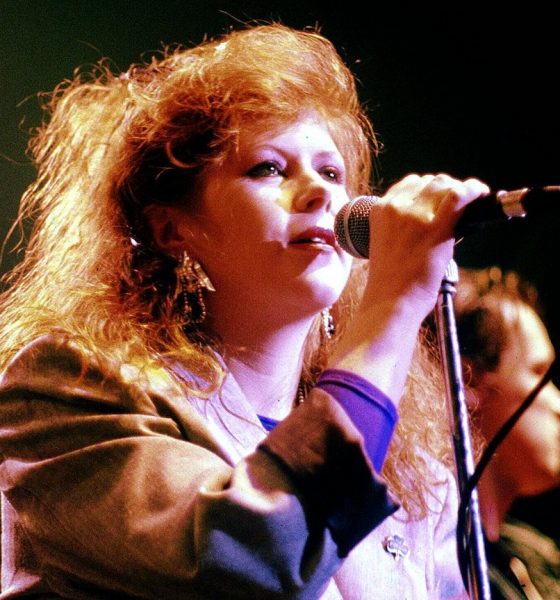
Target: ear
479, 387
168, 228
473, 384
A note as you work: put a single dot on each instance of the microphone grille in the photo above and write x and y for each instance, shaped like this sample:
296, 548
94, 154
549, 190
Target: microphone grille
351, 226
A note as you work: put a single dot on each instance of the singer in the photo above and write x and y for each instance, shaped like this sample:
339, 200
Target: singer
202, 395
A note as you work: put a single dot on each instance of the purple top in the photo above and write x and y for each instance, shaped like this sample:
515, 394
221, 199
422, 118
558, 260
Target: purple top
371, 411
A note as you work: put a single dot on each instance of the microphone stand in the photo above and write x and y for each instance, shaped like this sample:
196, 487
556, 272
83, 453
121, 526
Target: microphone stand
478, 583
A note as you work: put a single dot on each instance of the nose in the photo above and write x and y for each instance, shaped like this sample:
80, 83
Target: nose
554, 399
313, 193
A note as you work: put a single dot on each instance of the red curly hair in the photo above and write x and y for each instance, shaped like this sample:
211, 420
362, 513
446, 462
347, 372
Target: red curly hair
114, 143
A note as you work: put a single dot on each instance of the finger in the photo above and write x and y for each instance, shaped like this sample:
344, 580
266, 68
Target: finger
456, 197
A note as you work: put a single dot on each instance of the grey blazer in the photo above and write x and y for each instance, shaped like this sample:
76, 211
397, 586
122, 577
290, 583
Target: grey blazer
115, 485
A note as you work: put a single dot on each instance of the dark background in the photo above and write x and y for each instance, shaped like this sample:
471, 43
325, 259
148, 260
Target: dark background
468, 89
460, 90
465, 88
457, 89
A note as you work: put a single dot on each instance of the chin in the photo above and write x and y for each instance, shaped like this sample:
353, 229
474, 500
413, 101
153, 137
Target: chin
542, 480
325, 296
327, 285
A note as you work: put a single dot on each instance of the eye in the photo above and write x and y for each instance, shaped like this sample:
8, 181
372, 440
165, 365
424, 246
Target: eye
540, 369
267, 168
333, 174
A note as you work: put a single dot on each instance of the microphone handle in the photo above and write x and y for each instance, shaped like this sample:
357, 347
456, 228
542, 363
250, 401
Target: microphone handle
504, 205
351, 225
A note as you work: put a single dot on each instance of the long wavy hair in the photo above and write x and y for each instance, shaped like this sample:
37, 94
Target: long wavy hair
113, 143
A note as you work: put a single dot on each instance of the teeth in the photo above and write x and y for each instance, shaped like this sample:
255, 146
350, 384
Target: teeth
312, 240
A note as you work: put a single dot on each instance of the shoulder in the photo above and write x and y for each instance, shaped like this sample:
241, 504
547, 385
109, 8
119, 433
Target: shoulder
50, 352
57, 364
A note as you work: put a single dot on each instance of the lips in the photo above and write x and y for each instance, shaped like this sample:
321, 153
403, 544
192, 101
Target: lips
315, 235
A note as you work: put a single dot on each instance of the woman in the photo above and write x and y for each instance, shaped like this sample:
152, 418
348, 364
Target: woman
507, 351
173, 306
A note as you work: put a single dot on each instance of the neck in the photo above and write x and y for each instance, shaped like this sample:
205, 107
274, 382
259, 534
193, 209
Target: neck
265, 361
497, 494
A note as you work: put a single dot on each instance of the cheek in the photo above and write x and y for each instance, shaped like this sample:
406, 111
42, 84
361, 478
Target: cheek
535, 436
253, 210
347, 263
528, 432
235, 230
498, 403
533, 455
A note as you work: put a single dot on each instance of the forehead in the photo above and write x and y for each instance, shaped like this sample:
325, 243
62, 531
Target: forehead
307, 131
528, 339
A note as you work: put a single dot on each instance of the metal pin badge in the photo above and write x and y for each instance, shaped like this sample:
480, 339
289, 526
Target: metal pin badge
396, 546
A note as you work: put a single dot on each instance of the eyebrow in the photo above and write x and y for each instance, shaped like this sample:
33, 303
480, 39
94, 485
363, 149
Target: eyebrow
332, 156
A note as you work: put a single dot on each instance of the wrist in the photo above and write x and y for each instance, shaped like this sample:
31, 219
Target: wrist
378, 345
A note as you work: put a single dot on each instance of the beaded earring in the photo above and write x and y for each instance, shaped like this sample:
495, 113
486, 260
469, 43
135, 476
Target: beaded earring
193, 280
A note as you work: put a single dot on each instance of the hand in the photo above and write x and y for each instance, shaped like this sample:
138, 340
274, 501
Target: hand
411, 244
411, 237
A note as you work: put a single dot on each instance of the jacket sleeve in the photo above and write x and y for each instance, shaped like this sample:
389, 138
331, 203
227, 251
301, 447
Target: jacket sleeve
112, 493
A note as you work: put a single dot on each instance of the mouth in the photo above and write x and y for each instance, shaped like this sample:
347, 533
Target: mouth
316, 236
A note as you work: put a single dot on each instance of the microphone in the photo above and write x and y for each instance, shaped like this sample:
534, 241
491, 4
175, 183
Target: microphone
351, 226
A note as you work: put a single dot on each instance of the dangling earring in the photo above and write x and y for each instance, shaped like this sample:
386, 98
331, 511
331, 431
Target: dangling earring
193, 280
327, 332
328, 328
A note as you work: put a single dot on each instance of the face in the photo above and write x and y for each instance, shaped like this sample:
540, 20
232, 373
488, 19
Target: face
530, 456
263, 225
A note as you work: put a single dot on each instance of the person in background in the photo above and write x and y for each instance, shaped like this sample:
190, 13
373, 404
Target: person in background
202, 395
506, 351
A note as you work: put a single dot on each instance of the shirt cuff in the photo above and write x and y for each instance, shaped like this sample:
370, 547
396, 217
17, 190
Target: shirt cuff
371, 411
